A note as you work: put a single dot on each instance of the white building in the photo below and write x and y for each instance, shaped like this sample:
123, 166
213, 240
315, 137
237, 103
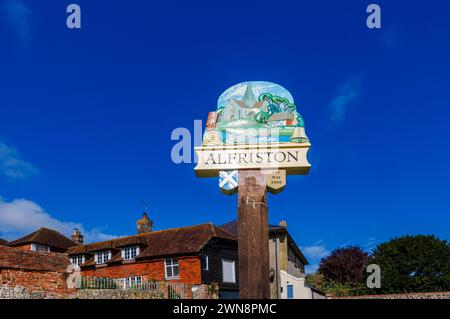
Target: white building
287, 265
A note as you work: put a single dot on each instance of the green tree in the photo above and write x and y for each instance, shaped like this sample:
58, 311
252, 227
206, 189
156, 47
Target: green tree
318, 281
414, 264
342, 273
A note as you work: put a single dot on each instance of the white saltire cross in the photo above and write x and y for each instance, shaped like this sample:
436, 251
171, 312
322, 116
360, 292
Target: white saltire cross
228, 181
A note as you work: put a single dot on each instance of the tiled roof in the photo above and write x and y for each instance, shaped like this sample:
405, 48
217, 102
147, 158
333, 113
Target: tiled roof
175, 241
13, 258
281, 116
232, 227
259, 104
44, 236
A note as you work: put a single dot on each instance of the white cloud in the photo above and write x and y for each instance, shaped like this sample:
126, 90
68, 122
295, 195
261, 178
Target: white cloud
12, 165
370, 243
315, 251
346, 94
20, 217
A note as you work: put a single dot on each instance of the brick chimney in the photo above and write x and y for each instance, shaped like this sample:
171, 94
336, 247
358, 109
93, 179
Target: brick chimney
77, 237
144, 225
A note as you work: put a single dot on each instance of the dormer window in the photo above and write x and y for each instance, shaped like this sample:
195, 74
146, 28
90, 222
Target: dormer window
102, 257
130, 252
77, 260
40, 248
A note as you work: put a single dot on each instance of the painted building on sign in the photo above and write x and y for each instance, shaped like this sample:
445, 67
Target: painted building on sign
256, 112
256, 125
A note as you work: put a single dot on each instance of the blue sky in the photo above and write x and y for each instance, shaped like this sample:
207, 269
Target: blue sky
86, 115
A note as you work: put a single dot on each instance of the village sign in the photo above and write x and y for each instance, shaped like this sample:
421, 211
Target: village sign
256, 126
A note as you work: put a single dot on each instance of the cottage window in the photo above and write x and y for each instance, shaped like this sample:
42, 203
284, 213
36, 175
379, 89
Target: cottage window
205, 263
132, 282
172, 268
129, 253
77, 260
228, 271
102, 257
39, 248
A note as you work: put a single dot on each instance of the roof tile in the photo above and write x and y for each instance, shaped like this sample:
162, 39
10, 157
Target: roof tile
173, 241
44, 236
14, 258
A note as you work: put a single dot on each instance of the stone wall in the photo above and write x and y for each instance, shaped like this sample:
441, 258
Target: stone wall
190, 292
19, 293
33, 275
199, 292
116, 294
415, 295
50, 282
206, 292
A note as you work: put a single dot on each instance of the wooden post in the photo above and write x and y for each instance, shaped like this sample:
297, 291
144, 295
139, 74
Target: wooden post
253, 236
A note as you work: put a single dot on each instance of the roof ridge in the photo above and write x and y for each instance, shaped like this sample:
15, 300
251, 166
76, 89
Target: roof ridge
146, 234
227, 231
45, 236
52, 230
213, 229
213, 234
36, 233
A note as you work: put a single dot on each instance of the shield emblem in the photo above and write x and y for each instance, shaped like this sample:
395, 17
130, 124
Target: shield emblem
228, 181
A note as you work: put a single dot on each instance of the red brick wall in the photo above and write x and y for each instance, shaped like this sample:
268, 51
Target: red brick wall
41, 281
189, 268
24, 247
39, 272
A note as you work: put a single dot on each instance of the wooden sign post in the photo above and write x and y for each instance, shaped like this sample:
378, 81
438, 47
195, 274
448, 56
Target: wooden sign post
253, 236
251, 144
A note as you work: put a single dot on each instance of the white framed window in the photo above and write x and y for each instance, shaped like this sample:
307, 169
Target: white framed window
40, 248
132, 282
205, 262
102, 257
77, 260
228, 271
129, 253
172, 268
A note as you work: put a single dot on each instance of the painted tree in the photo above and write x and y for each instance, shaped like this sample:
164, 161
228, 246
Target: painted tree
414, 264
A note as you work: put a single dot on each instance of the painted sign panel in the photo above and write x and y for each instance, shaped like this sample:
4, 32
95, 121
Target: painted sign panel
256, 125
255, 112
288, 156
276, 180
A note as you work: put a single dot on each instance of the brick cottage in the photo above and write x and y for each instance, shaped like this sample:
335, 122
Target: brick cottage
195, 255
200, 254
43, 240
